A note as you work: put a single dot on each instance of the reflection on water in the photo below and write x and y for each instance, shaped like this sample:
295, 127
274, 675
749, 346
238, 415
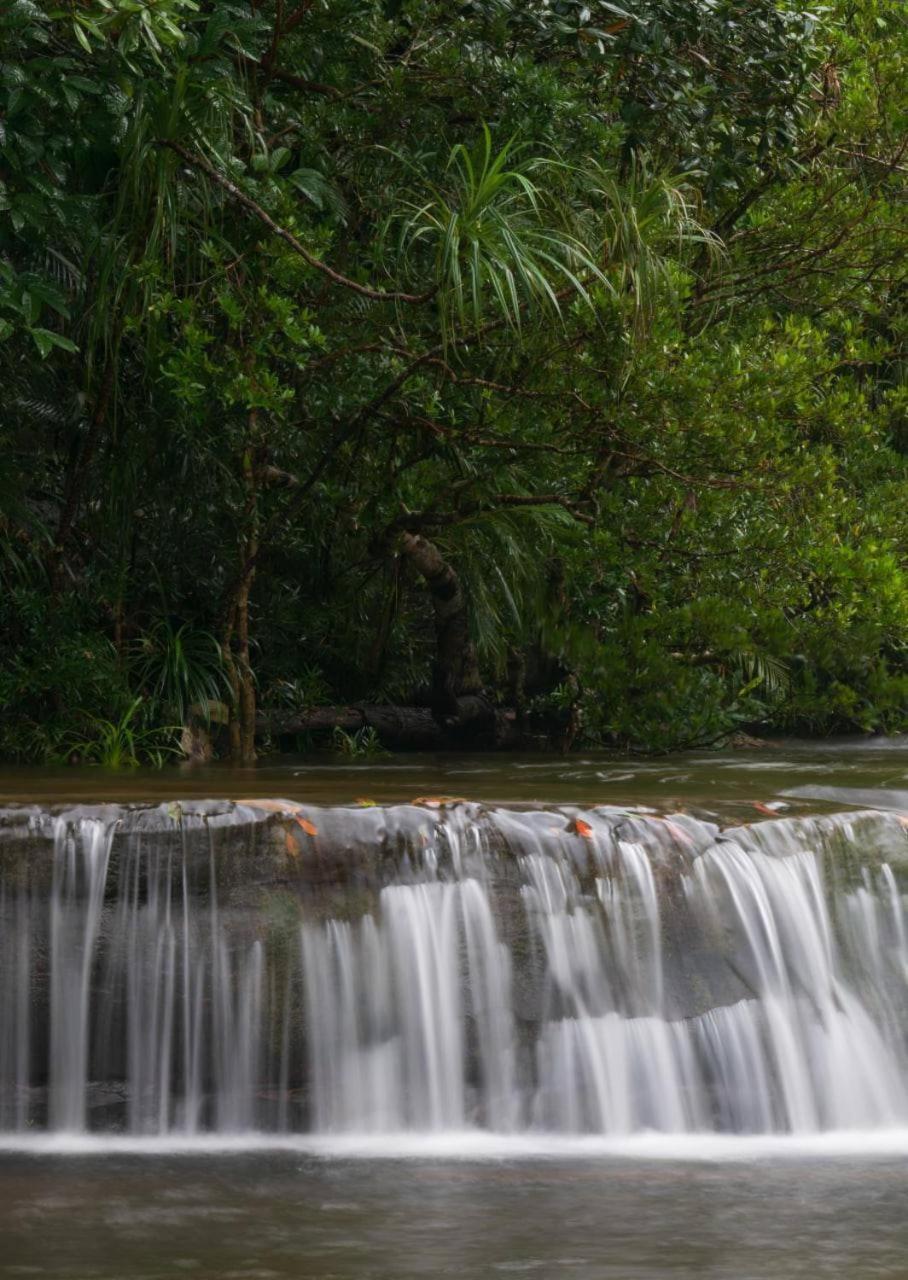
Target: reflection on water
283, 1216
795, 777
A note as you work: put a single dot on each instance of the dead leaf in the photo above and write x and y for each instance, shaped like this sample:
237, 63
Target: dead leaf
308, 827
583, 829
678, 833
271, 806
764, 808
436, 802
290, 844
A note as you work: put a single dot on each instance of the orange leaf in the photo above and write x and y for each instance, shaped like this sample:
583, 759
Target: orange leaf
290, 844
583, 829
764, 808
270, 806
307, 826
678, 833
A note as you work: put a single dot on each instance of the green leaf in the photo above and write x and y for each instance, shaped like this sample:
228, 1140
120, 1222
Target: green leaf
82, 37
46, 340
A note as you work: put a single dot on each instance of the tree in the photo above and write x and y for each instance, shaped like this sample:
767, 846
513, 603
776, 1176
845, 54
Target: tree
499, 357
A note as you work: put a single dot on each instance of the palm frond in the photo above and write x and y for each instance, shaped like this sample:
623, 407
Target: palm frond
503, 559
178, 667
649, 233
762, 672
493, 240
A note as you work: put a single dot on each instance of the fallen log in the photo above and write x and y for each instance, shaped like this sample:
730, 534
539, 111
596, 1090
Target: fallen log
396, 726
475, 722
309, 720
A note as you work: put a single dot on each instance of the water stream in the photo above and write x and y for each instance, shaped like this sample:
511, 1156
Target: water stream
603, 1020
236, 969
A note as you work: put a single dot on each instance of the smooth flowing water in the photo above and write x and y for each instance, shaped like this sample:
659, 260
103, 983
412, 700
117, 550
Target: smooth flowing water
509, 1017
236, 968
283, 1217
801, 777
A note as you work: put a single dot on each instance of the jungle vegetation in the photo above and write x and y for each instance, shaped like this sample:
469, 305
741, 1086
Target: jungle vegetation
451, 370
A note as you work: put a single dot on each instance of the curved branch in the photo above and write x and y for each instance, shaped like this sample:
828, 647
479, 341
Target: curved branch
414, 521
377, 295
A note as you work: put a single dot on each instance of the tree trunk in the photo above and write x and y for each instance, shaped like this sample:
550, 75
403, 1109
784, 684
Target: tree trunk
237, 659
234, 736
455, 672
75, 481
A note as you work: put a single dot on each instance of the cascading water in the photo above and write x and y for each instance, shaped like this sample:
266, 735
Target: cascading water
379, 970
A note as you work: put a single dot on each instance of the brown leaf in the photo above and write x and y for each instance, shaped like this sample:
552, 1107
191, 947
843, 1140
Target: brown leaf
308, 827
271, 806
678, 833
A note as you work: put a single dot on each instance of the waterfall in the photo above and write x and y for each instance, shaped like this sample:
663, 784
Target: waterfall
263, 968
81, 855
390, 1006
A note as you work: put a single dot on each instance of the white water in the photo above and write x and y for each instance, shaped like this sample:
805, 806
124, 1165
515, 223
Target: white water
479, 1145
518, 984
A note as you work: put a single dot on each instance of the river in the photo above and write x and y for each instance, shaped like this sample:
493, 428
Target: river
260, 1217
602, 1019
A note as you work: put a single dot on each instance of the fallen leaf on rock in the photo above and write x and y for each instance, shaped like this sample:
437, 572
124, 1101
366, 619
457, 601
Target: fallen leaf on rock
271, 806
765, 808
290, 844
308, 827
678, 833
583, 829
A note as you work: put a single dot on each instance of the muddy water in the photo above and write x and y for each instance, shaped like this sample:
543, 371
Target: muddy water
791, 777
287, 1217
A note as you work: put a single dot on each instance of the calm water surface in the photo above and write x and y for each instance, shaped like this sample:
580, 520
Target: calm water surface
793, 776
284, 1215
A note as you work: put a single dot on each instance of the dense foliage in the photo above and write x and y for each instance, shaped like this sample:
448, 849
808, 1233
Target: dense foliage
516, 353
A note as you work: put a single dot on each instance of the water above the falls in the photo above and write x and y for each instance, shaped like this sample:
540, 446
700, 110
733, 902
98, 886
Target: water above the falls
798, 777
372, 976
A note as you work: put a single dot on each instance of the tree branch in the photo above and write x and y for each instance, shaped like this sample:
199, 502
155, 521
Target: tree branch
414, 521
377, 295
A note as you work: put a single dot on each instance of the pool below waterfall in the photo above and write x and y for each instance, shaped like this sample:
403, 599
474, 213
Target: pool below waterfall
285, 1034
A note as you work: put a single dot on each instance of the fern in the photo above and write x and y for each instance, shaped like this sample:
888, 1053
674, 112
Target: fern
762, 672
